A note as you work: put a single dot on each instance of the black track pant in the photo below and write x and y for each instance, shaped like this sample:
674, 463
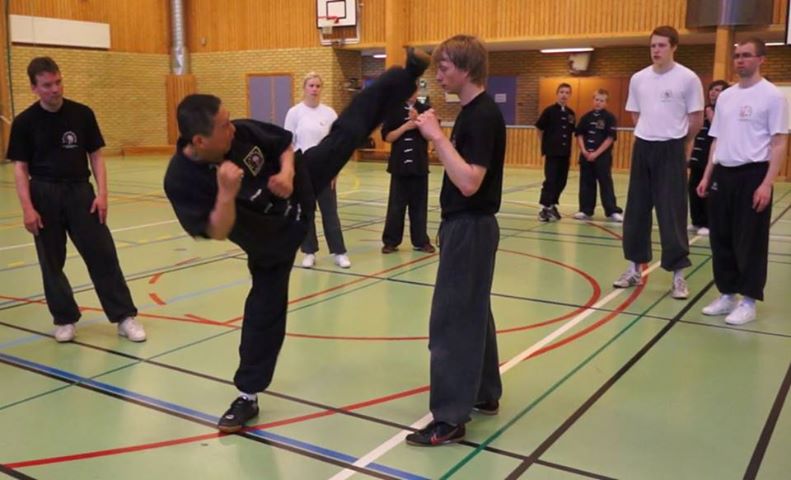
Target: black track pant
738, 234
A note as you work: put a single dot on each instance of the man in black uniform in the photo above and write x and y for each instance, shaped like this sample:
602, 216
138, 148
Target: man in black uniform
408, 168
50, 144
595, 136
556, 125
240, 180
465, 375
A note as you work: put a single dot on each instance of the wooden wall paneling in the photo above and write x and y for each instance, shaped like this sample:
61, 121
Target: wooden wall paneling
176, 88
140, 26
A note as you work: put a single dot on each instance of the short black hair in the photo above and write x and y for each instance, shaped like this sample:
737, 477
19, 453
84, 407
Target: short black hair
196, 114
40, 65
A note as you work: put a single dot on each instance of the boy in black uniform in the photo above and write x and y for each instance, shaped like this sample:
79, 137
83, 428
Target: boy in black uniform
465, 375
556, 125
239, 180
408, 168
595, 136
699, 159
50, 143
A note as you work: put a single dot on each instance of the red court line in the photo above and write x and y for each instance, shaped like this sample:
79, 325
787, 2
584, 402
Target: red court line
611, 232
156, 299
371, 276
154, 279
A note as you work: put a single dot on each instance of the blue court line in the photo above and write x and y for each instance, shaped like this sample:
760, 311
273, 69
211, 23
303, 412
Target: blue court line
185, 411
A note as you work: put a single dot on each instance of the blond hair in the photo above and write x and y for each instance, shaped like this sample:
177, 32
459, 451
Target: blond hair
310, 76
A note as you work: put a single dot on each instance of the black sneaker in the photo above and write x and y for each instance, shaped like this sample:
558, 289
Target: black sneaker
544, 215
427, 248
240, 411
435, 434
491, 407
417, 61
553, 211
386, 249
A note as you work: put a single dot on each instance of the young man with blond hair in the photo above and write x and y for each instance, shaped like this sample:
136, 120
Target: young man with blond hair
465, 373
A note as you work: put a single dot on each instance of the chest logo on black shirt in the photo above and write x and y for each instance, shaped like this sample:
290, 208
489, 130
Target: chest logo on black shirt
600, 124
254, 160
69, 140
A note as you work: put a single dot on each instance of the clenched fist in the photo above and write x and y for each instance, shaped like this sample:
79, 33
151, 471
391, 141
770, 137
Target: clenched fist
229, 178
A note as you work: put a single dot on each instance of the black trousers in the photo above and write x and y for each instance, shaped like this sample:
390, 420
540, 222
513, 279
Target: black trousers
65, 209
411, 192
556, 174
328, 204
264, 324
658, 179
697, 206
600, 170
738, 234
462, 334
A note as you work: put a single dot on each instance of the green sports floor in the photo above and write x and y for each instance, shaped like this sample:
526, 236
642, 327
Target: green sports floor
598, 383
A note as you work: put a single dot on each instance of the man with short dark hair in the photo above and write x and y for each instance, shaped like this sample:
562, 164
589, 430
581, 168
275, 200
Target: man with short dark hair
240, 180
666, 101
750, 130
556, 126
50, 144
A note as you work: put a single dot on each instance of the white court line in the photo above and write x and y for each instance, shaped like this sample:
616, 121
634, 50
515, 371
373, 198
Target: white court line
385, 447
125, 229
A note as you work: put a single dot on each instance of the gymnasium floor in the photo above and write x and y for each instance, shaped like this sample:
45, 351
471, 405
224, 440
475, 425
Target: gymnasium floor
626, 384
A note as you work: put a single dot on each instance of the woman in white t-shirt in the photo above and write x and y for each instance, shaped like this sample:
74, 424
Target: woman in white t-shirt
310, 121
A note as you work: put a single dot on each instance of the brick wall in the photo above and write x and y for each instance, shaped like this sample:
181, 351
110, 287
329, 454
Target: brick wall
529, 66
224, 73
125, 90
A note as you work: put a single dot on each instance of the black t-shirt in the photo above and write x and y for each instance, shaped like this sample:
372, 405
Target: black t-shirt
557, 124
595, 127
409, 153
479, 137
702, 144
266, 227
55, 145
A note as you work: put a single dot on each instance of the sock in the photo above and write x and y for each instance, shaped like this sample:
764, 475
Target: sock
634, 267
678, 274
748, 301
728, 296
249, 396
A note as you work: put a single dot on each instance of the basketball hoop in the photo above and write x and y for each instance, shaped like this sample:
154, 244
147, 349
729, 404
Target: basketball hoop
326, 24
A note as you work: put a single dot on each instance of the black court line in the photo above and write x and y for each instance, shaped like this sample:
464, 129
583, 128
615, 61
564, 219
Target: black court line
769, 427
563, 428
291, 398
243, 434
14, 474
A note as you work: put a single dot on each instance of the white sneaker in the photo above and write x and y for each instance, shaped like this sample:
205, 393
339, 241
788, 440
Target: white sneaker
65, 333
131, 329
703, 231
616, 217
692, 228
308, 260
680, 290
744, 313
581, 216
628, 279
342, 261
721, 306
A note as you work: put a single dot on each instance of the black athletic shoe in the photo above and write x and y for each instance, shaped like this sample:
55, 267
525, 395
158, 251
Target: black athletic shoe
427, 248
240, 411
491, 407
553, 211
435, 434
389, 249
417, 61
544, 215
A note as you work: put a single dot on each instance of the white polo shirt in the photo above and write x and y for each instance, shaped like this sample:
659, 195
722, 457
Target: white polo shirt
664, 101
309, 124
744, 122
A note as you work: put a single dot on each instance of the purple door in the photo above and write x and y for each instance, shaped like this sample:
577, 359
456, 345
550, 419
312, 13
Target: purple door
503, 91
269, 97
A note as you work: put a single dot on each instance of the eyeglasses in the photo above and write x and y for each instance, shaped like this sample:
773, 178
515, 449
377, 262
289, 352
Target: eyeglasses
745, 55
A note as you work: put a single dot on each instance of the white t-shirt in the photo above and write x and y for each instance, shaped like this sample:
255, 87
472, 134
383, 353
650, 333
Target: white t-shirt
309, 124
744, 122
663, 101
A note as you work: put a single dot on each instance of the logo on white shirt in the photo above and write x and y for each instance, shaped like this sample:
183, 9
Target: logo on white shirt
69, 140
745, 112
667, 95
